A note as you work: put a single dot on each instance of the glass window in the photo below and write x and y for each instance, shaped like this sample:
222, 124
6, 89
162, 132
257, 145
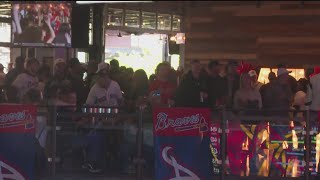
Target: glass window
164, 22
175, 61
132, 18
148, 20
115, 17
5, 58
5, 31
176, 23
83, 57
145, 51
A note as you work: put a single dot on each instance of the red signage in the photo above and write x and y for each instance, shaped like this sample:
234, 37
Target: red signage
181, 121
17, 118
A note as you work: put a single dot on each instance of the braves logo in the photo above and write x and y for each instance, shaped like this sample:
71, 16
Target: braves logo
22, 118
11, 173
181, 124
177, 167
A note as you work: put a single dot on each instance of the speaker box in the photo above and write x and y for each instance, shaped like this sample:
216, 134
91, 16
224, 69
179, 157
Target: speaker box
80, 17
174, 48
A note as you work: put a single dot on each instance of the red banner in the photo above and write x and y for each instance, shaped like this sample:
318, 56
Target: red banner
181, 121
17, 118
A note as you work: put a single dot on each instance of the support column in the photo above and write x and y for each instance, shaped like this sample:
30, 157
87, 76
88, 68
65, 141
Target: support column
96, 51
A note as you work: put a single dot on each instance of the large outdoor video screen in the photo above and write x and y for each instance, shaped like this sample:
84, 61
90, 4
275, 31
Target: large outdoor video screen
41, 24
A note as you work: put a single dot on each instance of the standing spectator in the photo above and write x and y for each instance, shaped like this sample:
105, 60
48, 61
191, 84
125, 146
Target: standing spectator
10, 66
2, 76
180, 72
266, 87
75, 77
98, 93
217, 85
12, 75
192, 90
105, 92
115, 70
254, 80
91, 73
2, 81
279, 95
29, 79
44, 75
314, 89
152, 78
291, 80
161, 91
300, 95
247, 97
138, 89
55, 82
233, 80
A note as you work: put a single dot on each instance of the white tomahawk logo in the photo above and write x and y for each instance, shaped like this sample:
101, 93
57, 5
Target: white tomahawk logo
177, 167
12, 173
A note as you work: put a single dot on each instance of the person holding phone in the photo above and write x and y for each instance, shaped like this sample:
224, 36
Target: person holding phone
161, 91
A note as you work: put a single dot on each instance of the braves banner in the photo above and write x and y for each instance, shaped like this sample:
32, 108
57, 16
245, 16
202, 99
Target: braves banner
182, 144
17, 152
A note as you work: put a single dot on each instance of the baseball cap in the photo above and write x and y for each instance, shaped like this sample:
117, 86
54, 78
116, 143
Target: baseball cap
103, 66
282, 71
58, 61
252, 73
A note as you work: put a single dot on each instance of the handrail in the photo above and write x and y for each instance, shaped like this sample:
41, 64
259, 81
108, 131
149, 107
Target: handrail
228, 114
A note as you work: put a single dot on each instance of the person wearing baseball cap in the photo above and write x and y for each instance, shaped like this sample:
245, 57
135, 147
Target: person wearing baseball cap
29, 79
279, 95
254, 80
103, 68
105, 92
283, 71
59, 75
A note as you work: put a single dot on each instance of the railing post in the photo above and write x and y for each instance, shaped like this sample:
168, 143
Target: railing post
53, 115
139, 159
223, 144
307, 145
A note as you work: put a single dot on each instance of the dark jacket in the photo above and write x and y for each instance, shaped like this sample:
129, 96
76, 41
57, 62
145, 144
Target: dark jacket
188, 92
79, 86
217, 88
12, 75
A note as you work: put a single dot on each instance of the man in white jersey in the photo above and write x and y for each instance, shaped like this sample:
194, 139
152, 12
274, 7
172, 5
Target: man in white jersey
105, 92
28, 79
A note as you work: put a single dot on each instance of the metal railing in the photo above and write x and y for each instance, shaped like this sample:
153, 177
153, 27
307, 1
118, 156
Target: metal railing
223, 116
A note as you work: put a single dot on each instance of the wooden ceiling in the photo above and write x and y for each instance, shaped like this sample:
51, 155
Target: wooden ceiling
265, 32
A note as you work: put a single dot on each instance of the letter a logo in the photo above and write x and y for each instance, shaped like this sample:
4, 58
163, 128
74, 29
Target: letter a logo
177, 167
11, 173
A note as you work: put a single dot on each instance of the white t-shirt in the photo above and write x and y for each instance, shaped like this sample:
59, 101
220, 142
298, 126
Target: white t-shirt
24, 82
105, 97
299, 99
314, 92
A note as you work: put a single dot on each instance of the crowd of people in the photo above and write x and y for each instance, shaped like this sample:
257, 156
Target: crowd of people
110, 85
